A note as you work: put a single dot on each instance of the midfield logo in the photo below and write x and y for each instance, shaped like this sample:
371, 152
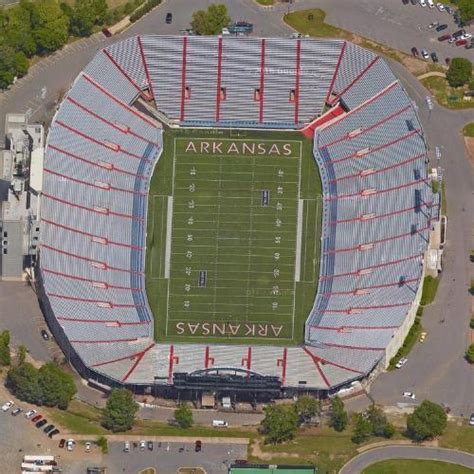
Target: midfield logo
205, 147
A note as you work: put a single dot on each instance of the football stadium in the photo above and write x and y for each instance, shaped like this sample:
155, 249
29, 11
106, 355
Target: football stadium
234, 214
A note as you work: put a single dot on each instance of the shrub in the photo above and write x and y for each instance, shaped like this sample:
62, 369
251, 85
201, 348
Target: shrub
280, 423
183, 416
427, 421
470, 354
120, 410
459, 72
338, 419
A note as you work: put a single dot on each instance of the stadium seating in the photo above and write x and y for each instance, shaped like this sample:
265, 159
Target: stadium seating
101, 153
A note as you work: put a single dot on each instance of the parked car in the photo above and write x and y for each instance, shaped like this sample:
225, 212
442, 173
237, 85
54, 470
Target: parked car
433, 24
62, 442
49, 428
461, 42
471, 419
440, 7
441, 27
17, 411
106, 32
30, 413
430, 3
423, 3
415, 52
198, 446
459, 33
434, 57
444, 37
423, 336
36, 418
41, 423
150, 445
466, 36
142, 445
126, 447
409, 395
169, 18
401, 362
70, 443
53, 433
88, 446
7, 406
424, 54
448, 10
44, 334
405, 2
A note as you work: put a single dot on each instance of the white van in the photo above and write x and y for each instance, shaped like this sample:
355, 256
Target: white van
220, 424
431, 3
423, 3
126, 447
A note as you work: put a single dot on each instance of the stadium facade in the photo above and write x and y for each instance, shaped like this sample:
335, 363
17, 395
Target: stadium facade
378, 206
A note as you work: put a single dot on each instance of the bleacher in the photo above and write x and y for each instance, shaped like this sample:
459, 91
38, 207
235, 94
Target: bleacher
101, 152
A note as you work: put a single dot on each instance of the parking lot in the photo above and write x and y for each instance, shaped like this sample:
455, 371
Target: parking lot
168, 457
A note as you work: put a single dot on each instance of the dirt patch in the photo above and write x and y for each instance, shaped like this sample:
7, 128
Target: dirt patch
469, 142
257, 452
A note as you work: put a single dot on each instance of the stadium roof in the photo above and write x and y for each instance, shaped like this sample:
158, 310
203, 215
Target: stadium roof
101, 152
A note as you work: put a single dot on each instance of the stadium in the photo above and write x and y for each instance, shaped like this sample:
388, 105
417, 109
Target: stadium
243, 215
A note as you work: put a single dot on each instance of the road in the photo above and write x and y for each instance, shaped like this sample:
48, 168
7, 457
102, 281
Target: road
436, 369
360, 462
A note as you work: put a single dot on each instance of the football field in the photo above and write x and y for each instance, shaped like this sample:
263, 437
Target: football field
228, 233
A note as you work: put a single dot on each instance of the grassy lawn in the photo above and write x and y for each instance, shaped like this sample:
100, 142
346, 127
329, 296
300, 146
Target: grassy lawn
458, 437
447, 96
412, 466
430, 287
266, 3
468, 130
311, 22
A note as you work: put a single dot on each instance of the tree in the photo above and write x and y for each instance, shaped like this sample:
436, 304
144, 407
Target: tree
466, 9
23, 381
379, 422
85, 15
363, 429
5, 357
459, 72
50, 25
57, 386
307, 407
210, 21
427, 421
21, 354
280, 423
183, 416
470, 354
120, 410
338, 418
18, 29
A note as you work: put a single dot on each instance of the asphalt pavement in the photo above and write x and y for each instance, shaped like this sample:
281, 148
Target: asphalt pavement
362, 461
435, 370
168, 457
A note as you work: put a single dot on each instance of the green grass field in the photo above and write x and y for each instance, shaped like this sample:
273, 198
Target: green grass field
233, 236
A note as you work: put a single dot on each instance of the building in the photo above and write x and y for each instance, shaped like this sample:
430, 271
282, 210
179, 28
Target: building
21, 164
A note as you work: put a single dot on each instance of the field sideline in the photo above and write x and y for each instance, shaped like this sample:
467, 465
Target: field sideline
233, 237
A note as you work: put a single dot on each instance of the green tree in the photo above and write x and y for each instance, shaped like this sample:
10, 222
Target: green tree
338, 418
470, 354
379, 422
5, 358
363, 429
280, 423
120, 410
210, 21
466, 9
50, 25
57, 386
23, 381
459, 72
307, 407
183, 416
427, 421
85, 15
21, 355
18, 29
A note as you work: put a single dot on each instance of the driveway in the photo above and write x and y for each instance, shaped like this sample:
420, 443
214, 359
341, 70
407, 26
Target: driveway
360, 462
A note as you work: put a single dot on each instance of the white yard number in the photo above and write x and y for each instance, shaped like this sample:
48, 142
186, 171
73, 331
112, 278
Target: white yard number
277, 239
276, 272
189, 255
191, 204
190, 238
192, 171
279, 206
192, 188
190, 221
187, 287
186, 304
187, 270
